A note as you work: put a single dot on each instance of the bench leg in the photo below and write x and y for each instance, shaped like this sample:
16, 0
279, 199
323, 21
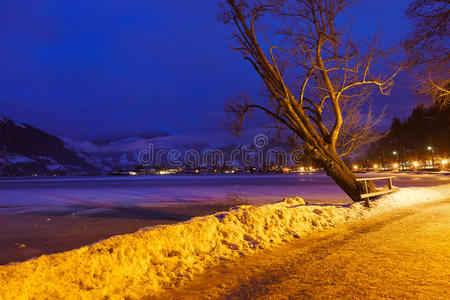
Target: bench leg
366, 190
390, 183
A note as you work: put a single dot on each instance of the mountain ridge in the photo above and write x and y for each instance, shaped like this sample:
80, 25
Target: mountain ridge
27, 150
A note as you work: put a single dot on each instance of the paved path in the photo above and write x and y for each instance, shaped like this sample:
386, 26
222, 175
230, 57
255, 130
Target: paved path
403, 254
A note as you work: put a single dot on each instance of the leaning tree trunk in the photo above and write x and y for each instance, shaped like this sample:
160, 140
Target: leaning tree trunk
343, 176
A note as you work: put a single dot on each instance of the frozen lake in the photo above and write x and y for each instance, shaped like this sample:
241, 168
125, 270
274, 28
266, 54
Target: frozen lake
94, 195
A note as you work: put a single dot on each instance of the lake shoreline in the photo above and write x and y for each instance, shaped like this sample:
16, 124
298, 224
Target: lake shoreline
50, 216
23, 237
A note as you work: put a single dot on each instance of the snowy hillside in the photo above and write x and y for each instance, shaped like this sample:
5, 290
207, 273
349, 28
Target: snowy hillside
124, 152
26, 150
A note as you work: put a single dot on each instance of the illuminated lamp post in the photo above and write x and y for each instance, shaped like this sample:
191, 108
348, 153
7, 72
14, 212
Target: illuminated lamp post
430, 148
444, 163
396, 154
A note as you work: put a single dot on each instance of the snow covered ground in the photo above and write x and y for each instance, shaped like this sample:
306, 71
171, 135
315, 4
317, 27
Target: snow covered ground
401, 254
144, 263
96, 195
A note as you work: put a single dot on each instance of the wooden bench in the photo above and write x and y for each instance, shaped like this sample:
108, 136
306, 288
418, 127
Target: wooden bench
366, 196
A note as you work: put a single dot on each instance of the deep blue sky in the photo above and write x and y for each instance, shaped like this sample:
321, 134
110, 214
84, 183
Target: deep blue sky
93, 69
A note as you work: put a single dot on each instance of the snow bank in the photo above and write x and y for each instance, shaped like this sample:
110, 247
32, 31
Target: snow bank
143, 263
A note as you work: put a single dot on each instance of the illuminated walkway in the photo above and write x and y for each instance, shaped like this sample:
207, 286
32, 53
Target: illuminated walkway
404, 254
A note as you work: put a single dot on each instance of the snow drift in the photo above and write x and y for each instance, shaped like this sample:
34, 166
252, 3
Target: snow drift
143, 263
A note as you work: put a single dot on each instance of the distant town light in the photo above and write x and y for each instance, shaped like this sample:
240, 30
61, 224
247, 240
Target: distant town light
395, 165
375, 166
285, 169
355, 167
429, 147
415, 164
395, 152
444, 161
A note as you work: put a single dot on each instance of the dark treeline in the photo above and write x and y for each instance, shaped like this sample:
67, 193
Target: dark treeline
423, 140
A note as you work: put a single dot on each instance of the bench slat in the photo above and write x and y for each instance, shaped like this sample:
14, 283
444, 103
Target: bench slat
368, 195
374, 178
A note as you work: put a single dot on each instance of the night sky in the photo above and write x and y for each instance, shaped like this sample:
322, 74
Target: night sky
102, 69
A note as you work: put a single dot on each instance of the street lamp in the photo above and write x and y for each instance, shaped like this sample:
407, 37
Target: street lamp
444, 163
396, 153
430, 148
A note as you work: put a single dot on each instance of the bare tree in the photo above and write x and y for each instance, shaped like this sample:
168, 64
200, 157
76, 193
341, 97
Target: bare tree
317, 76
428, 47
